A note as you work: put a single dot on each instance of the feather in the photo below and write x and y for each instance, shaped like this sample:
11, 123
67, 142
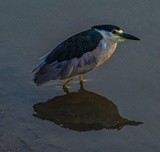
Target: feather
72, 57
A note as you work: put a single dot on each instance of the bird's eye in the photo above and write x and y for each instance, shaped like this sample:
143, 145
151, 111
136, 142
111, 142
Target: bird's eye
114, 32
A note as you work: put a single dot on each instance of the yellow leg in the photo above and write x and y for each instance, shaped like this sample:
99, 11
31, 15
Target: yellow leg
65, 85
81, 79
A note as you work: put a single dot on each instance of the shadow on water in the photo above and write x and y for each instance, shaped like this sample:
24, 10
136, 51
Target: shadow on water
82, 111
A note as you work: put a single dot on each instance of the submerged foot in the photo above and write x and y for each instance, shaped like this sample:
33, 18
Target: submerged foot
65, 85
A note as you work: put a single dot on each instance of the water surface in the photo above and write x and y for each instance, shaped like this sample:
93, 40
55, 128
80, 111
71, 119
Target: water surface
126, 89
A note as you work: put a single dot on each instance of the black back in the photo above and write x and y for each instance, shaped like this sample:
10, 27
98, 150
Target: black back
75, 46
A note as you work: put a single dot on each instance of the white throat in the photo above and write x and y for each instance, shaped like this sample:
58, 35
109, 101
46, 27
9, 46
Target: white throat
106, 47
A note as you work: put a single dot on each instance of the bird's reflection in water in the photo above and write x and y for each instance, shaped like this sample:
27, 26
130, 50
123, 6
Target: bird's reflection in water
82, 111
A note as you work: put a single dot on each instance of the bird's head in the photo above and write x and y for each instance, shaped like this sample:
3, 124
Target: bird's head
114, 33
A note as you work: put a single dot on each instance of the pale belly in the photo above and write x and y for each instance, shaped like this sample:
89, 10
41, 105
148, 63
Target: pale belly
106, 54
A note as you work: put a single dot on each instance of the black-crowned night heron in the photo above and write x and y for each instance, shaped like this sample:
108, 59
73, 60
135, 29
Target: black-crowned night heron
79, 54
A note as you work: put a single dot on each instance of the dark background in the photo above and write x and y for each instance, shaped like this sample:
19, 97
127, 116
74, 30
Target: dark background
30, 28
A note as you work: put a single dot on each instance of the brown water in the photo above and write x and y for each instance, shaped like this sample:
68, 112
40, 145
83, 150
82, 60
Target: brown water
118, 96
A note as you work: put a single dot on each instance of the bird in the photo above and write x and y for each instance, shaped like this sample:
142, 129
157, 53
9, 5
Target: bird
79, 54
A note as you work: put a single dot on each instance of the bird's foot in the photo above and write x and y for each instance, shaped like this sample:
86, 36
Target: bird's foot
81, 80
65, 86
65, 89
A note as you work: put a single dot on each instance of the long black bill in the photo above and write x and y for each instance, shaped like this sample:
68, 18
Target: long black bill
130, 37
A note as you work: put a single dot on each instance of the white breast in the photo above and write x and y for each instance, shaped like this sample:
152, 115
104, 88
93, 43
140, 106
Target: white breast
106, 49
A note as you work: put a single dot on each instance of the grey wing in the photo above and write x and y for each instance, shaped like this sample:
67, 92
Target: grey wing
72, 57
41, 62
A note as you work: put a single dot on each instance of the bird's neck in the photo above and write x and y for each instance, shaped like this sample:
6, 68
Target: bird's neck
107, 37
106, 52
111, 49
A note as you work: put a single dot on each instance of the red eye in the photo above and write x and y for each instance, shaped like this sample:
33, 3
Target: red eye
114, 31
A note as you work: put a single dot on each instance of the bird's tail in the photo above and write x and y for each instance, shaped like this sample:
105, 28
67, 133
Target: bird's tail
38, 66
46, 73
41, 62
38, 76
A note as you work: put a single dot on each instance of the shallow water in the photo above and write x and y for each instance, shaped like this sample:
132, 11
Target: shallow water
118, 97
